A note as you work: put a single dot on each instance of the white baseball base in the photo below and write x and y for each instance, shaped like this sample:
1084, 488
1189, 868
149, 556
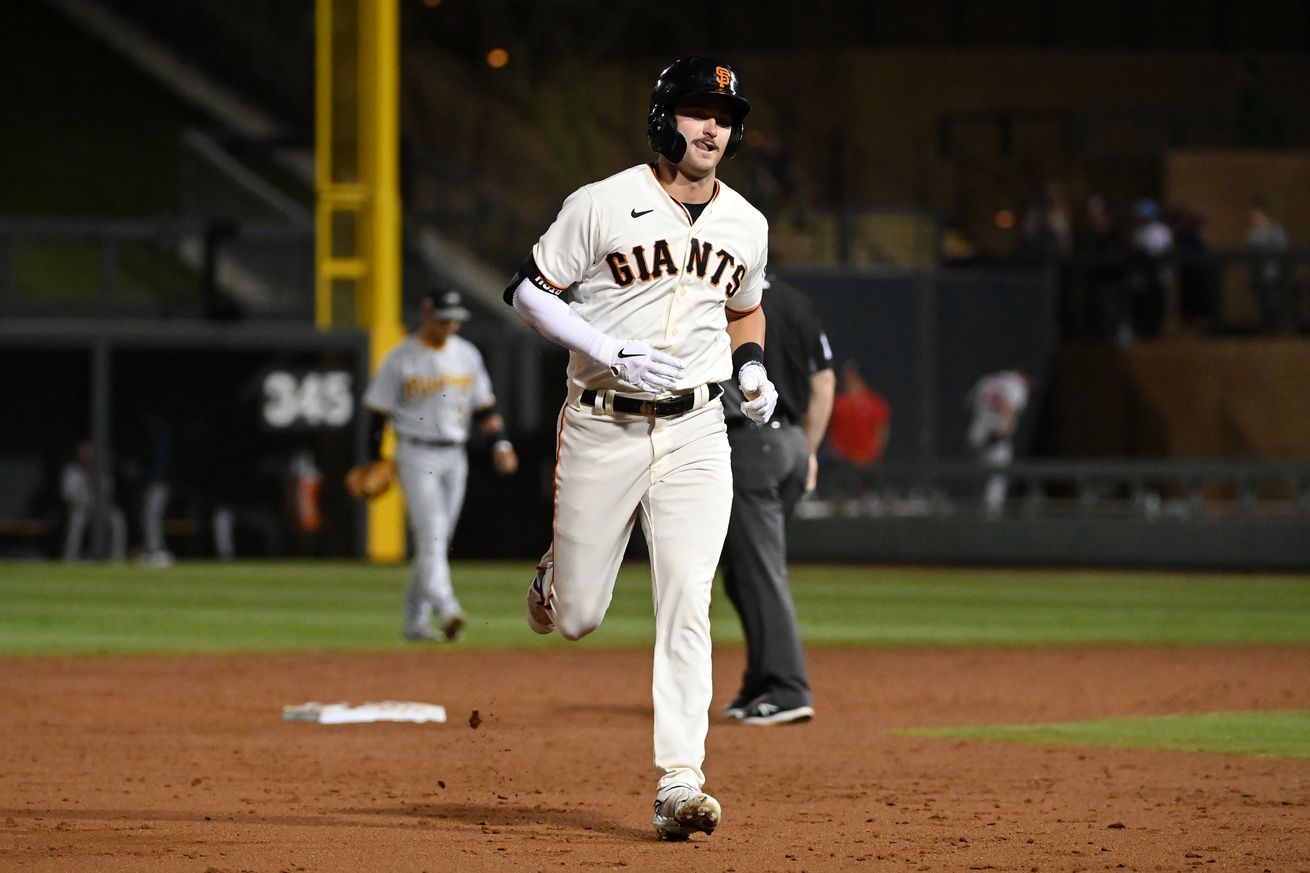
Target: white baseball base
364, 713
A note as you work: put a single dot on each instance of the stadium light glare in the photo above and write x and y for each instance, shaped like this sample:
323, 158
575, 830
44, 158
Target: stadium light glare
497, 58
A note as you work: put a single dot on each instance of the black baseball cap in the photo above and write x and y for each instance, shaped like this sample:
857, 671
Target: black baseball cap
448, 305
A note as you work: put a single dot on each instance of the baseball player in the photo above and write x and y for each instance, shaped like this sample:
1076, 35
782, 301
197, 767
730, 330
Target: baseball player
664, 265
997, 400
432, 387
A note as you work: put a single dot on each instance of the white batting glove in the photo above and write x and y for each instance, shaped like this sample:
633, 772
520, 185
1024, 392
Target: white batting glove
646, 366
761, 396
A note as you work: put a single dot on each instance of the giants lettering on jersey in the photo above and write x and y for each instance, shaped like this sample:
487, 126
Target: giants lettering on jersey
644, 264
420, 386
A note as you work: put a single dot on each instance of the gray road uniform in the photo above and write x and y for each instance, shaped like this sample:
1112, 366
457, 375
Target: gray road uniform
430, 394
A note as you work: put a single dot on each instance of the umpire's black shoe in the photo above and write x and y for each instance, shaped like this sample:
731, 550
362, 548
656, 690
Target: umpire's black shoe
736, 707
763, 711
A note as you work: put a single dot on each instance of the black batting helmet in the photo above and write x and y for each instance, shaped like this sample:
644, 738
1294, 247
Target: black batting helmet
687, 77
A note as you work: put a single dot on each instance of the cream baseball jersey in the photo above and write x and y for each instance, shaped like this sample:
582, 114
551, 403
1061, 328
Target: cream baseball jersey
644, 270
431, 393
992, 394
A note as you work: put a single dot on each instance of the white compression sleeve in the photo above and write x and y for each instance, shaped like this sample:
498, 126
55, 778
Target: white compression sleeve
554, 319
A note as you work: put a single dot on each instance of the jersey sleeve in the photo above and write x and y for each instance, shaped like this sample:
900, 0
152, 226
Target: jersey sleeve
820, 352
566, 251
751, 293
383, 394
482, 396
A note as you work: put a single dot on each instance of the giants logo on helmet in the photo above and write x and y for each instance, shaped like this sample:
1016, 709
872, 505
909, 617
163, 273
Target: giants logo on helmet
703, 259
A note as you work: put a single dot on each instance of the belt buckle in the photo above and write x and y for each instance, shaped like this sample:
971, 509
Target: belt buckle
674, 406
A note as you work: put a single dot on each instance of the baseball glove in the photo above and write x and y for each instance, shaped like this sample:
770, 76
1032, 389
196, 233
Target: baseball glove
370, 479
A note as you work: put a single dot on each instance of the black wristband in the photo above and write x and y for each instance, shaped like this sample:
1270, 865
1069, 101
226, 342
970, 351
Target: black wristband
744, 354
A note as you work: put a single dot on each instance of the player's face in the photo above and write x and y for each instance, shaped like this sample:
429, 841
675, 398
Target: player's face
437, 330
706, 122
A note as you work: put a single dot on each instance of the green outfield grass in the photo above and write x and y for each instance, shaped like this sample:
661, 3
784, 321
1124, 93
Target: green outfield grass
1284, 733
246, 606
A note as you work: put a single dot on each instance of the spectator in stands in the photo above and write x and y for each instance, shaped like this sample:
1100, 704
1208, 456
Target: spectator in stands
1267, 241
858, 431
996, 400
776, 183
1149, 272
1046, 234
79, 494
1102, 257
1198, 275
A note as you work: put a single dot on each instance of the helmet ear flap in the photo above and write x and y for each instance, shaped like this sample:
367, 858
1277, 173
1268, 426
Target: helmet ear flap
734, 139
662, 133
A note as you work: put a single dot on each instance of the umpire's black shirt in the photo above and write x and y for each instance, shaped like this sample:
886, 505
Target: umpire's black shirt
795, 348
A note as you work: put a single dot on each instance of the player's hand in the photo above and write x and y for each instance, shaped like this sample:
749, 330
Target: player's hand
812, 474
505, 459
646, 366
761, 396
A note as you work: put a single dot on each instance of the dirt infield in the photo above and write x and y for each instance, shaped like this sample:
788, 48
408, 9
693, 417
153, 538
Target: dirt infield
184, 764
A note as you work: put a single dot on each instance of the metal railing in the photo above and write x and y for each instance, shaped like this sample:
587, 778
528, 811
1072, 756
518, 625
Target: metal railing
162, 267
1178, 490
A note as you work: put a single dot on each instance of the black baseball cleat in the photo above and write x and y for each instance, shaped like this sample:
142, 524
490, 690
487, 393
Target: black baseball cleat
763, 711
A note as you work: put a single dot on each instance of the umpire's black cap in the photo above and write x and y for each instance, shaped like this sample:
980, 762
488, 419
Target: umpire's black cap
447, 305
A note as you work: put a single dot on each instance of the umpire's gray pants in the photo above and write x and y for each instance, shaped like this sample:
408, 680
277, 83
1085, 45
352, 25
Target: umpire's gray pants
769, 465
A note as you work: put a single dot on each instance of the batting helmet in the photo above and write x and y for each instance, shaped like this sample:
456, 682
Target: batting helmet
688, 77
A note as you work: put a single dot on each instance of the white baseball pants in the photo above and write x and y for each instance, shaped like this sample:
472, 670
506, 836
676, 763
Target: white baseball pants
675, 474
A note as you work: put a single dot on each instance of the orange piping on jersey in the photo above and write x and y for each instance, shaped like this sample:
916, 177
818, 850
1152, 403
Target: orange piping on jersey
554, 479
684, 209
743, 311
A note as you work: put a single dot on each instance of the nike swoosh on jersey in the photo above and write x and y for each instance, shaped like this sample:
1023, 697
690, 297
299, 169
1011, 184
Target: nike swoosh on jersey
636, 214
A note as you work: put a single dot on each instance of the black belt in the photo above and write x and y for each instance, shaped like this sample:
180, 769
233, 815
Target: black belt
667, 408
432, 444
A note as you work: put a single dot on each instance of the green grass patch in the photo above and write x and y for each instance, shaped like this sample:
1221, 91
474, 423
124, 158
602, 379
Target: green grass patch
1283, 733
53, 608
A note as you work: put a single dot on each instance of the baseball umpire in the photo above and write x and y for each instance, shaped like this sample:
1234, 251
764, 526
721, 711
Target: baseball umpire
773, 464
665, 265
433, 387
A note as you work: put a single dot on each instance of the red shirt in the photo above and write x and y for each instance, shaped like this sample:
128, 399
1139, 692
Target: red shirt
855, 427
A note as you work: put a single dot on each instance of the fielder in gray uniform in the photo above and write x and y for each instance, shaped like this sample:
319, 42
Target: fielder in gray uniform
434, 387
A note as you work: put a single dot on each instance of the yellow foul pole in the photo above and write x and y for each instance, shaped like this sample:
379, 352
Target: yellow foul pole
357, 239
